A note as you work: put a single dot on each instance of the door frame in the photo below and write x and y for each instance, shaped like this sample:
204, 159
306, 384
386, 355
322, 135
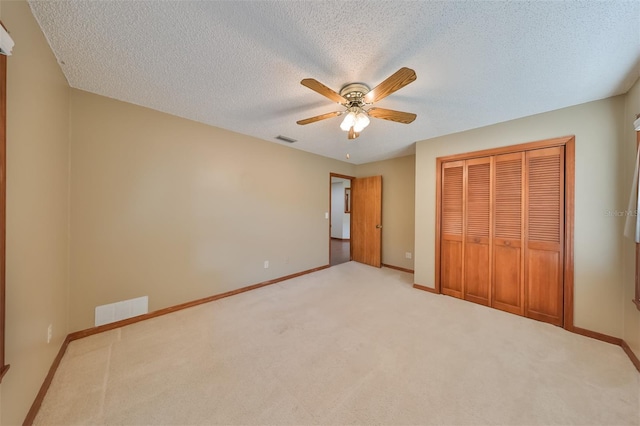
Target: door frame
568, 142
349, 178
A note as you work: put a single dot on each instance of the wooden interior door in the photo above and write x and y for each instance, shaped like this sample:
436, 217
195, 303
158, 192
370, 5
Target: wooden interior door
477, 235
544, 222
366, 220
508, 253
452, 225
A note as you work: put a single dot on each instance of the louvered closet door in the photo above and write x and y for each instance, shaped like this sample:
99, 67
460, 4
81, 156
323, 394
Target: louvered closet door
544, 221
451, 247
477, 253
508, 206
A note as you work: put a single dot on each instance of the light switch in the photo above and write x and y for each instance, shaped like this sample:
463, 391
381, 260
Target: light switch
326, 215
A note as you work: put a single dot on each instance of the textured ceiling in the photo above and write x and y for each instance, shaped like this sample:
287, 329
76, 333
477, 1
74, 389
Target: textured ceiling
238, 64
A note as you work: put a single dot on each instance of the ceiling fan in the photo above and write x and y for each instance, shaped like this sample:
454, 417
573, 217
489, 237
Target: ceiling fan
356, 96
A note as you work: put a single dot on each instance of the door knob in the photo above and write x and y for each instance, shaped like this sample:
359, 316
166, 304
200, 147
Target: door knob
378, 226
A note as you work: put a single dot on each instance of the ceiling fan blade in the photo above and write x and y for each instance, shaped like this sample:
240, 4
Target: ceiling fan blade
353, 134
316, 86
389, 114
397, 81
319, 117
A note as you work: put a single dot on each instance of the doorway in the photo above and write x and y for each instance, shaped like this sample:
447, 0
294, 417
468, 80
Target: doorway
355, 221
340, 219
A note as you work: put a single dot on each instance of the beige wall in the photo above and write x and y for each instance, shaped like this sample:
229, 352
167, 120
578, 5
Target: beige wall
37, 211
628, 154
177, 210
398, 207
598, 127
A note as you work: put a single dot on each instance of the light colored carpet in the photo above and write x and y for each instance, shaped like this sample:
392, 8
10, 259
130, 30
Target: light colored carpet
347, 345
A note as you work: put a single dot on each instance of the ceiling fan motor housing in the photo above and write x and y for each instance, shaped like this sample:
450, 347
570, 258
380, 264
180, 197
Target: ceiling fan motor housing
354, 93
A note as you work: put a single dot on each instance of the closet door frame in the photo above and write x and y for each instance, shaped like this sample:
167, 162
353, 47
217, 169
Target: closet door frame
568, 142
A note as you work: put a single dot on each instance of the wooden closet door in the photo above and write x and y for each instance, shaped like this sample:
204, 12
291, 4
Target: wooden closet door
544, 221
508, 213
477, 238
451, 246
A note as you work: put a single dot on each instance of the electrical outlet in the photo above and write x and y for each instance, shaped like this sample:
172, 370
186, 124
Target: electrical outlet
407, 255
266, 264
49, 333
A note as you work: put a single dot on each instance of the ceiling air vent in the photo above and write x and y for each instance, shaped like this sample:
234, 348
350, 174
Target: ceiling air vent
286, 139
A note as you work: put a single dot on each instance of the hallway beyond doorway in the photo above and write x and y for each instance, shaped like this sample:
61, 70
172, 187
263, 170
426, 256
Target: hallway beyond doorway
340, 251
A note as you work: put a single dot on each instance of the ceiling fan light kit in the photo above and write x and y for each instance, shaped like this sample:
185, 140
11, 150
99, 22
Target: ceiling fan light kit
356, 96
362, 121
356, 118
348, 121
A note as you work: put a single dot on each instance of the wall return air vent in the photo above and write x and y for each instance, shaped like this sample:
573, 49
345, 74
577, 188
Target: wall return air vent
113, 312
